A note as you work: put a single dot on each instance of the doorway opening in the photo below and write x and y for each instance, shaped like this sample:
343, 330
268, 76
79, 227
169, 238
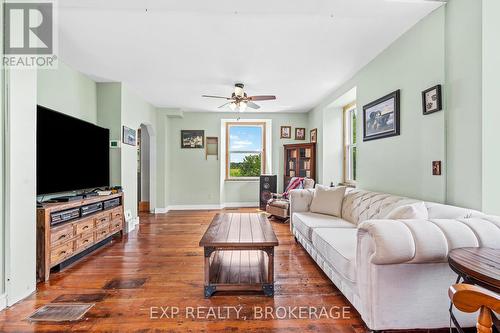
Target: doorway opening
143, 169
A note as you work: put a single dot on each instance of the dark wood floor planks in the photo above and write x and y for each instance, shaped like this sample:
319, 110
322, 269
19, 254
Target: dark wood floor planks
164, 252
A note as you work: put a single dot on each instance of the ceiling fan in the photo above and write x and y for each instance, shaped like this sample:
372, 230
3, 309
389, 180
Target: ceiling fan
239, 99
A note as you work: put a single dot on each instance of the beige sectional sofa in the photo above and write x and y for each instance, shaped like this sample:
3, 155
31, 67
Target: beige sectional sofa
394, 272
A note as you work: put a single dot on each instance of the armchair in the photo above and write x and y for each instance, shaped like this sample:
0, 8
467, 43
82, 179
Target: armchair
279, 205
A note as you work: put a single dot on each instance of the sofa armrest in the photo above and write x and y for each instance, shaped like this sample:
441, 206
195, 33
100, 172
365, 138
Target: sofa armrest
300, 201
387, 242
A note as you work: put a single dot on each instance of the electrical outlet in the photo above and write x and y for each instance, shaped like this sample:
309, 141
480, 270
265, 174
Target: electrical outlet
436, 168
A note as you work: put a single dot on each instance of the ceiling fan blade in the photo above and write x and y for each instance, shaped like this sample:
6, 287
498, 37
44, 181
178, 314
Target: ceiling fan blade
211, 96
223, 105
262, 98
252, 105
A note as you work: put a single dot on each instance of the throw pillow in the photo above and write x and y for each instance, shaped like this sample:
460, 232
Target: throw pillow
417, 210
328, 200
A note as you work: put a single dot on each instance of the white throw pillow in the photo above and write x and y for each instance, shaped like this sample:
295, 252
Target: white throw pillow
417, 210
328, 200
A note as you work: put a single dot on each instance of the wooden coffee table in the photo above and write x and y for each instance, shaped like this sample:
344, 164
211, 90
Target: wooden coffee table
239, 254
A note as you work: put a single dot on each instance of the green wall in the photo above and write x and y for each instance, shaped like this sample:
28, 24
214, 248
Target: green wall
69, 91
109, 106
464, 103
401, 164
491, 110
193, 180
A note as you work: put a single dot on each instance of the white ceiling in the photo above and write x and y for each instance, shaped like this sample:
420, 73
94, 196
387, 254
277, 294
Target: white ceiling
171, 54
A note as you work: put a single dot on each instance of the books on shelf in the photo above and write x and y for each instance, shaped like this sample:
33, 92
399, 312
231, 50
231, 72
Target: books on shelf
307, 164
292, 173
293, 154
308, 173
308, 152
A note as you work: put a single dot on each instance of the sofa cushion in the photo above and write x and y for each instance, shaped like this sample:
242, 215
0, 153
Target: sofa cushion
305, 223
338, 247
328, 200
416, 210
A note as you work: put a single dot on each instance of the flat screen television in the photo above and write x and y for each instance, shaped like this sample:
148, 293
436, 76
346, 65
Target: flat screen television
71, 154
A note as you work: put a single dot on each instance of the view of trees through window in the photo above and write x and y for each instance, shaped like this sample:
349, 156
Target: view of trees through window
245, 150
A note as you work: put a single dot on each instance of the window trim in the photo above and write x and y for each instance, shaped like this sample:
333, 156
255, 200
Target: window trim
346, 109
263, 151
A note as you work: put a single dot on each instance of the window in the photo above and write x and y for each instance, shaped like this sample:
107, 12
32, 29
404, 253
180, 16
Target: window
245, 150
350, 151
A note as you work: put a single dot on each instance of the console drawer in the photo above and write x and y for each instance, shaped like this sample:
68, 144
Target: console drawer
117, 214
102, 219
86, 241
61, 234
84, 226
62, 252
116, 225
102, 233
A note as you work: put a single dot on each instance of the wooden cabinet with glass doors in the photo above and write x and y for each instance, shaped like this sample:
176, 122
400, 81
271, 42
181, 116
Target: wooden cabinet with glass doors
300, 161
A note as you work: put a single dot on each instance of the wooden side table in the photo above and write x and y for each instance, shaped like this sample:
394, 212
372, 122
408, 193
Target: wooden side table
476, 266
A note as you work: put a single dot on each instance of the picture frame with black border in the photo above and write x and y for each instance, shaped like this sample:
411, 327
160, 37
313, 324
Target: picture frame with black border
432, 100
381, 118
129, 136
192, 139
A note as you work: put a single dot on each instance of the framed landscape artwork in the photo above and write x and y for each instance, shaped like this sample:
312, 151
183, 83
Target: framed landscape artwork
129, 136
192, 139
300, 133
314, 135
381, 117
285, 132
431, 100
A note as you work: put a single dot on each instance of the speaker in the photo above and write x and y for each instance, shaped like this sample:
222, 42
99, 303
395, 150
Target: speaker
268, 186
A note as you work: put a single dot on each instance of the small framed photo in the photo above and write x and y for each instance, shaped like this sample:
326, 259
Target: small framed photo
192, 139
432, 100
300, 133
314, 135
129, 136
285, 132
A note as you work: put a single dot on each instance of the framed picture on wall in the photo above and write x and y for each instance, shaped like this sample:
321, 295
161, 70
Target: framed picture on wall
431, 100
192, 139
314, 135
129, 136
285, 132
381, 117
300, 133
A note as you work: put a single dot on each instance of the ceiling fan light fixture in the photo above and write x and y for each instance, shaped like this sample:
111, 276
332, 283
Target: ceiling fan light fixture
243, 106
232, 106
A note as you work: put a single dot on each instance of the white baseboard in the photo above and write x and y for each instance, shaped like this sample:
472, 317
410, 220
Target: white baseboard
3, 301
206, 207
131, 223
240, 204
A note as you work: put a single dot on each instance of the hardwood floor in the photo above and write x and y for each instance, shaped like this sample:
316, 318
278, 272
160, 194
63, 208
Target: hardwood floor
161, 265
